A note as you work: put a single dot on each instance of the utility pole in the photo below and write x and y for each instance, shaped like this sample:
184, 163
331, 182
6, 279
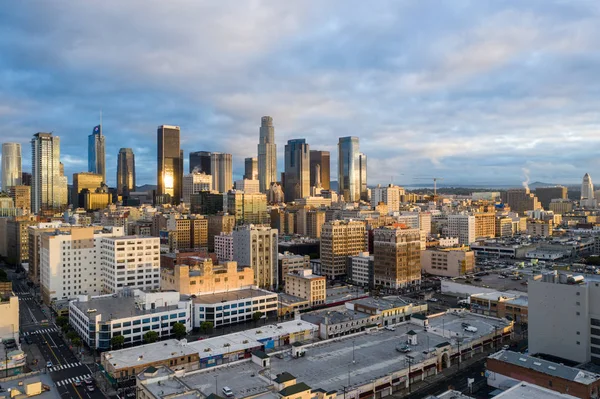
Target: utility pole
409, 359
458, 341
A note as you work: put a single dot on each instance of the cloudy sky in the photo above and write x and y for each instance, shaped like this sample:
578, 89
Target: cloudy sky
473, 91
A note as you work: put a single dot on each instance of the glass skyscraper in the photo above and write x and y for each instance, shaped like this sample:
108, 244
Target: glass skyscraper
125, 171
297, 170
170, 163
322, 160
267, 154
96, 156
11, 165
48, 185
349, 168
200, 161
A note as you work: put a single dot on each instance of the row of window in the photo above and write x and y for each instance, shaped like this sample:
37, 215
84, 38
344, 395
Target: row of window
148, 320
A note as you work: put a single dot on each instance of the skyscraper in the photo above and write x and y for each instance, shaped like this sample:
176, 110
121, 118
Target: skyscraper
84, 181
200, 160
397, 253
96, 158
251, 168
349, 169
11, 165
267, 154
322, 160
222, 172
48, 185
364, 191
587, 187
170, 163
125, 171
297, 170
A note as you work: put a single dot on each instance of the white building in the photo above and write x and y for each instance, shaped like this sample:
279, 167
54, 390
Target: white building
587, 192
257, 247
195, 182
361, 269
224, 246
389, 195
98, 319
463, 227
130, 261
70, 261
247, 186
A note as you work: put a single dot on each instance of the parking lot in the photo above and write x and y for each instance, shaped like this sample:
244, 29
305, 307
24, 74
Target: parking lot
495, 281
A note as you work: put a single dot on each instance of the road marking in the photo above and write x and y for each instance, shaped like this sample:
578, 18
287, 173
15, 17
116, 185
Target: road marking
76, 391
65, 366
43, 331
71, 380
54, 354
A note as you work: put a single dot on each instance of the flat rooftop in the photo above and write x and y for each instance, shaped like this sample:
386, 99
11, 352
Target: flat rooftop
117, 308
344, 293
334, 315
231, 295
149, 353
525, 390
43, 378
388, 302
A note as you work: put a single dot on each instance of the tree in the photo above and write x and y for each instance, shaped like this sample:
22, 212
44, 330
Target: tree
206, 326
72, 335
76, 342
3, 276
150, 337
179, 330
62, 321
118, 341
257, 316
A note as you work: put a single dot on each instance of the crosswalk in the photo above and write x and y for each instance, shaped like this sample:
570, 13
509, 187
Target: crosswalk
42, 331
71, 380
64, 366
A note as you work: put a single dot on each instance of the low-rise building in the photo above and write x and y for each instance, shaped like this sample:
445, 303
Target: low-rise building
448, 262
501, 304
540, 228
99, 319
9, 322
306, 285
288, 262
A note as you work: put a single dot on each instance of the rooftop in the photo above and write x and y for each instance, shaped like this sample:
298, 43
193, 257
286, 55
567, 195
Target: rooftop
117, 307
525, 390
344, 293
150, 353
43, 378
546, 367
231, 295
386, 303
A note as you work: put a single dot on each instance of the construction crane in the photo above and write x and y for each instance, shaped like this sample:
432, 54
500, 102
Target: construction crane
435, 180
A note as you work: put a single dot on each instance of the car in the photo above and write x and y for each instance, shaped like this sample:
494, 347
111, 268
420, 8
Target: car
227, 392
390, 328
477, 279
77, 382
403, 348
501, 277
506, 347
91, 388
470, 329
88, 381
433, 300
48, 364
464, 325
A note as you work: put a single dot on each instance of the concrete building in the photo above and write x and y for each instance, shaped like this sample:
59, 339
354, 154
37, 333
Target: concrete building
84, 180
340, 239
349, 168
560, 207
170, 163
320, 169
306, 285
463, 227
34, 244
17, 240
505, 305
69, 262
187, 232
49, 193
397, 257
251, 169
195, 182
98, 319
256, 247
361, 269
504, 226
297, 170
540, 228
125, 172
129, 261
546, 194
248, 186
521, 200
288, 262
9, 322
390, 195
223, 246
247, 208
315, 220
448, 262
200, 162
221, 166
267, 154
587, 192
485, 224
11, 166
203, 277
21, 196
218, 224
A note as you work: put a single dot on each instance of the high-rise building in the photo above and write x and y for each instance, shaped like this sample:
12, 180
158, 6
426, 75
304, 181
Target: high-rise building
362, 167
547, 194
21, 196
521, 200
11, 165
125, 171
463, 227
320, 168
218, 224
170, 163
485, 224
187, 232
349, 168
248, 208
267, 154
251, 168
257, 247
26, 178
195, 182
248, 186
48, 185
587, 192
82, 181
96, 156
200, 162
397, 257
389, 195
222, 172
340, 239
297, 170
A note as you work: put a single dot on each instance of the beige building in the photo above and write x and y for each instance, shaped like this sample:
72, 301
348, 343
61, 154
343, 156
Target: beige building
34, 234
304, 284
247, 208
21, 196
540, 228
17, 239
9, 322
315, 220
560, 206
218, 224
257, 247
504, 226
448, 262
203, 277
485, 224
82, 181
187, 232
340, 239
289, 262
397, 257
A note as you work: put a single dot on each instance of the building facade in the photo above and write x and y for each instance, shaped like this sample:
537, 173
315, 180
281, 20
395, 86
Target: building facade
390, 195
546, 194
463, 227
297, 170
221, 166
223, 246
397, 257
448, 262
218, 224
361, 269
200, 162
251, 169
256, 247
84, 180
349, 168
289, 262
340, 239
320, 169
170, 163
96, 153
267, 154
125, 171
306, 285
248, 208
195, 182
11, 165
48, 185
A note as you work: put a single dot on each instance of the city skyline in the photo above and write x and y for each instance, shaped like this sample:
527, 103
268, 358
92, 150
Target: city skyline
469, 100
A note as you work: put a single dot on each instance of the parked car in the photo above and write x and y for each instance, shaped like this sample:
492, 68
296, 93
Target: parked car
227, 392
91, 388
77, 382
403, 348
471, 329
88, 381
464, 325
48, 364
390, 328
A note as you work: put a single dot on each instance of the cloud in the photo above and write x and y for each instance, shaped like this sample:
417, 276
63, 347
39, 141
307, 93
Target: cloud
472, 90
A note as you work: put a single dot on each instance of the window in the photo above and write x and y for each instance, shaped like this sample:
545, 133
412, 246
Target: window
126, 324
147, 321
117, 325
155, 318
181, 315
136, 330
137, 322
595, 341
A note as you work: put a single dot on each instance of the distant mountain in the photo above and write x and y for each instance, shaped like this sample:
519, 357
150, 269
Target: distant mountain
146, 187
538, 184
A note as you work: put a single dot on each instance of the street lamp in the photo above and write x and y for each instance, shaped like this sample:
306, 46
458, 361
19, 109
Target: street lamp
458, 342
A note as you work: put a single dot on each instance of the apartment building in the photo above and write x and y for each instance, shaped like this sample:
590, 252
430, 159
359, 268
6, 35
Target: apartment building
70, 262
340, 239
360, 269
256, 246
34, 238
129, 261
463, 227
204, 277
448, 262
304, 284
288, 262
397, 257
218, 224
485, 224
187, 232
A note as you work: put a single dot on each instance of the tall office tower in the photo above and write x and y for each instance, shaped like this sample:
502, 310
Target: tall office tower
84, 181
547, 194
521, 200
26, 178
267, 154
21, 196
11, 165
170, 162
48, 186
364, 191
349, 168
463, 227
195, 182
125, 171
96, 156
200, 161
251, 168
340, 239
587, 188
322, 160
297, 170
257, 247
397, 257
222, 172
